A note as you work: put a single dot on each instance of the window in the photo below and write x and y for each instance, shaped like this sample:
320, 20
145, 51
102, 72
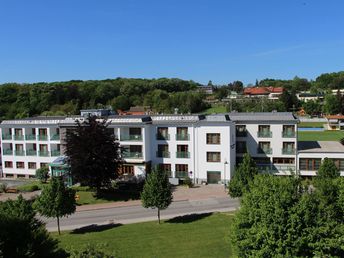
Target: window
163, 151
283, 160
32, 165
288, 131
43, 165
241, 131
241, 147
182, 148
165, 167
182, 134
288, 148
182, 167
8, 164
260, 161
264, 131
213, 138
264, 147
20, 165
134, 131
309, 164
162, 133
339, 164
213, 156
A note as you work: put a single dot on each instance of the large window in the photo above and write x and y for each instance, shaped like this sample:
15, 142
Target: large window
213, 138
213, 156
264, 147
8, 164
241, 131
309, 164
264, 131
339, 164
165, 167
241, 147
162, 133
32, 165
20, 165
283, 160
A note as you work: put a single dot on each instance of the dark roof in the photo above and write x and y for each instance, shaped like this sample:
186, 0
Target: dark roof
262, 116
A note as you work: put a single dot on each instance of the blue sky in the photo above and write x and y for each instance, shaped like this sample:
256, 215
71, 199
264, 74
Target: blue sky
198, 40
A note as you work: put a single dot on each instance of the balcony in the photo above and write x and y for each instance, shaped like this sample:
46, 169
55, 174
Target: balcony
275, 168
182, 137
132, 137
42, 137
18, 137
31, 153
7, 152
241, 133
19, 152
55, 137
183, 154
290, 134
30, 137
43, 153
264, 151
55, 153
288, 151
265, 134
162, 137
7, 136
132, 155
182, 174
163, 154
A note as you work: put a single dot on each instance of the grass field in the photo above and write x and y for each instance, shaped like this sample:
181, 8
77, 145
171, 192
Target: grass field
88, 197
204, 235
311, 124
320, 136
216, 110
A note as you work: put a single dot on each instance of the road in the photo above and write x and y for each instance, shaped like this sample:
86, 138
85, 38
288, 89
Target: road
133, 214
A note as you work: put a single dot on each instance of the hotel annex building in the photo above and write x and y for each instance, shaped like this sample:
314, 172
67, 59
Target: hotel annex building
202, 147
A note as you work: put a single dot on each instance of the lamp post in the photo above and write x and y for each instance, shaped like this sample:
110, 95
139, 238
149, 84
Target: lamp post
224, 174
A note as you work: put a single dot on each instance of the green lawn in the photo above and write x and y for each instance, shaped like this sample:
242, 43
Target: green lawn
320, 136
88, 197
216, 110
205, 235
311, 124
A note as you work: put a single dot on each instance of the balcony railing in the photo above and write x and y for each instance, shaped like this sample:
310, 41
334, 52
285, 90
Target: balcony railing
288, 151
42, 137
29, 137
55, 153
131, 137
55, 137
241, 133
7, 136
7, 152
132, 155
163, 154
162, 137
31, 153
275, 168
264, 150
43, 153
265, 134
19, 152
182, 137
290, 134
181, 174
18, 137
183, 154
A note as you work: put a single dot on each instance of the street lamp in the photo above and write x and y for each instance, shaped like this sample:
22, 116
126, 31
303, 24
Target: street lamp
224, 174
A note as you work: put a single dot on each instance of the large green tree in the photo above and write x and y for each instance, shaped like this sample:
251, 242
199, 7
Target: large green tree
93, 153
22, 234
157, 192
327, 169
56, 200
244, 174
331, 104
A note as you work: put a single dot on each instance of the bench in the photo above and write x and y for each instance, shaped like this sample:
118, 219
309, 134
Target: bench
11, 190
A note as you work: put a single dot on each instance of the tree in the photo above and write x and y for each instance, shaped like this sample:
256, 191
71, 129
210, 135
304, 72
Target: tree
93, 153
42, 174
244, 174
22, 234
289, 100
328, 170
56, 200
157, 191
331, 104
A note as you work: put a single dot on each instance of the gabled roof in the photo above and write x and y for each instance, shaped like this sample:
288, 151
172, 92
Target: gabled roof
262, 90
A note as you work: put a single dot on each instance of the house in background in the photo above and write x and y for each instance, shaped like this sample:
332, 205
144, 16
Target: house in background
334, 122
268, 92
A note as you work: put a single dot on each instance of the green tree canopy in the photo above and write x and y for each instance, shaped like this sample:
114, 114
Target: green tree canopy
42, 174
157, 191
327, 169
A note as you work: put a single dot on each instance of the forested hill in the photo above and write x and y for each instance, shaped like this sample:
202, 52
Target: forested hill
62, 98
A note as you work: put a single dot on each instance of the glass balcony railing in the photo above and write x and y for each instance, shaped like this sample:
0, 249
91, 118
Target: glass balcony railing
264, 150
181, 174
163, 154
183, 154
7, 152
288, 134
29, 137
162, 136
169, 173
288, 151
132, 155
182, 137
18, 137
265, 134
42, 137
55, 153
7, 136
275, 168
132, 137
19, 153
43, 153
55, 137
31, 153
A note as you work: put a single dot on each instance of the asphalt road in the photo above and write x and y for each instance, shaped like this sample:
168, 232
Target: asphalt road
133, 214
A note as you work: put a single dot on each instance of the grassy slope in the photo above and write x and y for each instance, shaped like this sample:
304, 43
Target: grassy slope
320, 136
200, 236
311, 124
216, 110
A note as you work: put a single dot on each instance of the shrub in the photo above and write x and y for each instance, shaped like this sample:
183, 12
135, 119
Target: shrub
42, 174
188, 182
3, 187
82, 188
28, 188
89, 251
